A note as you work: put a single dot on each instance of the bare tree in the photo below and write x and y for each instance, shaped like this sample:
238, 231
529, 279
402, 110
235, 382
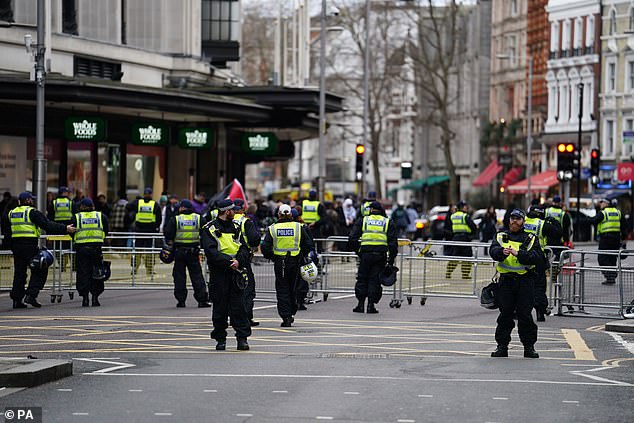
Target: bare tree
435, 51
345, 73
257, 45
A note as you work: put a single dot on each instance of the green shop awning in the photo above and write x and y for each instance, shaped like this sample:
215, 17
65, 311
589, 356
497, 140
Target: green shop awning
419, 183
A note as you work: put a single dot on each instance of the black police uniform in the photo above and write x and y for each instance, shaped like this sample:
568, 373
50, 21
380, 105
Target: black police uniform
609, 239
88, 254
143, 228
250, 237
372, 260
514, 294
24, 249
53, 214
550, 229
187, 258
286, 269
227, 297
554, 214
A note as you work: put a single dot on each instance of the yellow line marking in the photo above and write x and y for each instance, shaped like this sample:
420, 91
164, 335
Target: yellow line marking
615, 362
578, 345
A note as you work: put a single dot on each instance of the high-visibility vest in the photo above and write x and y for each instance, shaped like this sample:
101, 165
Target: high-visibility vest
556, 213
535, 226
611, 221
374, 230
63, 209
89, 228
459, 223
365, 208
510, 263
145, 212
287, 237
241, 221
213, 214
187, 228
21, 225
310, 211
227, 244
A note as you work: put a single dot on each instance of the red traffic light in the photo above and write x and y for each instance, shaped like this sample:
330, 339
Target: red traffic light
594, 154
360, 149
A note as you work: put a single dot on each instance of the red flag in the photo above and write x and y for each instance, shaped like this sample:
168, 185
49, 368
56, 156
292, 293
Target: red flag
238, 192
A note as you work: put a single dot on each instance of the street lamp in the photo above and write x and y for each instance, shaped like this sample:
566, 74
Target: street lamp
529, 129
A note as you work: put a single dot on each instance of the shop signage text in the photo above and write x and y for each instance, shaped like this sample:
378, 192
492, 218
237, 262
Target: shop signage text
195, 138
149, 134
85, 129
264, 143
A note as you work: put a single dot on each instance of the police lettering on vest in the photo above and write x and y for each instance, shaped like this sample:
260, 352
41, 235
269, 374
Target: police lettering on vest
63, 211
286, 238
89, 228
310, 211
459, 223
535, 226
187, 228
145, 212
21, 225
611, 221
374, 229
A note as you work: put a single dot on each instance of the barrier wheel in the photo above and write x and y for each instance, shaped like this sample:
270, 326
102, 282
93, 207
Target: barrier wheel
409, 300
59, 298
392, 303
53, 298
423, 300
398, 304
71, 295
325, 296
570, 308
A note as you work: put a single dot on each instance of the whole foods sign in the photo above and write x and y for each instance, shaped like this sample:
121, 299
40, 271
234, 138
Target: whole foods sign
195, 138
85, 129
149, 134
261, 143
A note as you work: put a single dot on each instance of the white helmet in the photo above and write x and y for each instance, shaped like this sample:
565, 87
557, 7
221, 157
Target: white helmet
308, 272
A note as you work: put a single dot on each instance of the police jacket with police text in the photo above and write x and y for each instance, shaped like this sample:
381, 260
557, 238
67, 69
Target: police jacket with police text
51, 211
209, 242
601, 218
550, 229
39, 220
460, 235
104, 226
354, 240
529, 257
170, 227
150, 227
305, 243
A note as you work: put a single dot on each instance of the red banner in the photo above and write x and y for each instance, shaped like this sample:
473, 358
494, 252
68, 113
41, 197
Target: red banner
625, 172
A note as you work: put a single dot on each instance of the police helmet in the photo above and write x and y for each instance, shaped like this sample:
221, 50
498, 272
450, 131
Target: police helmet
388, 275
101, 271
42, 260
308, 272
167, 254
487, 296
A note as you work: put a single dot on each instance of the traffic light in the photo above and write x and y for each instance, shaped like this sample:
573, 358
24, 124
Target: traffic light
595, 161
566, 161
406, 170
360, 150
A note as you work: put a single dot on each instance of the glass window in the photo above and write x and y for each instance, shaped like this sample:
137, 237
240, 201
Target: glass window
219, 20
612, 22
631, 18
578, 31
608, 139
628, 149
514, 9
589, 30
630, 75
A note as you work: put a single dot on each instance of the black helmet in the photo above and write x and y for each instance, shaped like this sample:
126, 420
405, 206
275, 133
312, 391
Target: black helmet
388, 275
101, 271
167, 254
487, 296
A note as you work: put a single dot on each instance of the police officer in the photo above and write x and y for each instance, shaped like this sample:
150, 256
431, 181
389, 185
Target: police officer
26, 222
609, 227
146, 215
250, 237
61, 210
462, 229
517, 253
226, 255
183, 232
374, 238
542, 229
302, 287
286, 243
364, 210
556, 212
92, 229
314, 214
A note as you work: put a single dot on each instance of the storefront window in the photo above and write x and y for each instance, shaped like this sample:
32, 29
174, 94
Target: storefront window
52, 153
145, 167
109, 171
79, 173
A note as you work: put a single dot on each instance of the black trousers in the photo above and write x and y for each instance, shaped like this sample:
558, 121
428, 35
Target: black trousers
515, 295
286, 272
187, 259
301, 290
609, 241
539, 289
22, 255
228, 301
87, 256
249, 292
368, 284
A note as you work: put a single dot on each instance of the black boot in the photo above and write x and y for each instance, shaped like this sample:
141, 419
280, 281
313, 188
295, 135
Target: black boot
371, 309
30, 300
18, 304
500, 351
253, 322
181, 304
95, 301
360, 307
286, 322
243, 345
529, 352
85, 302
204, 304
221, 345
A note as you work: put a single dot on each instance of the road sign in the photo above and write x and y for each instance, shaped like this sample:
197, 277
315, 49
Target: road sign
625, 171
628, 137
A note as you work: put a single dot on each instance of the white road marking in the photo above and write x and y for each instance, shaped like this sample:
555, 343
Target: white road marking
406, 421
500, 398
117, 365
280, 392
324, 418
162, 414
65, 390
210, 390
578, 365
600, 381
344, 296
351, 393
81, 414
570, 402
244, 415
627, 345
425, 396
3, 388
135, 390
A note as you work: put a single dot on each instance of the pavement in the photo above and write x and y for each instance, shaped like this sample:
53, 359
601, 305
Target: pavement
625, 326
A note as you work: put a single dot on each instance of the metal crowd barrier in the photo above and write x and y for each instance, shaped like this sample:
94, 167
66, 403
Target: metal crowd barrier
583, 285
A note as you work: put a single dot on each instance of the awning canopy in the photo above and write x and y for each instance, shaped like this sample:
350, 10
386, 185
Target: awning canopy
429, 181
512, 176
488, 174
539, 183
